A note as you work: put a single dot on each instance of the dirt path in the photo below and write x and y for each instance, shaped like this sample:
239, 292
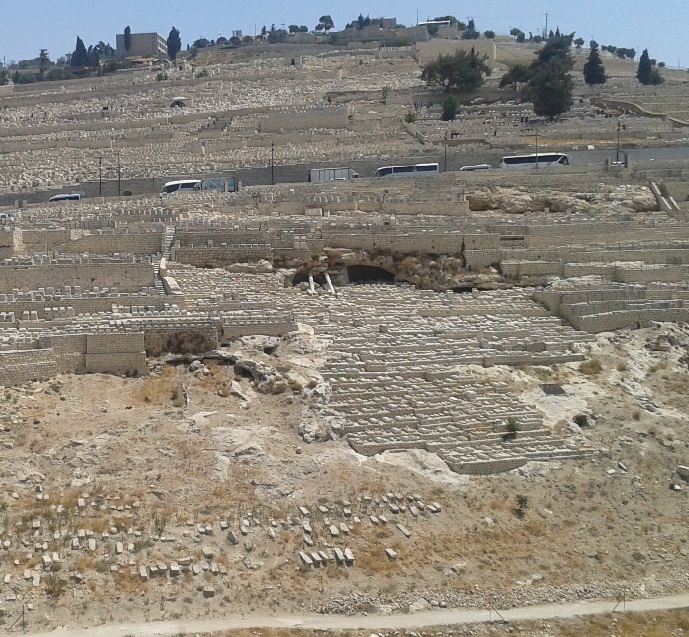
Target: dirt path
367, 622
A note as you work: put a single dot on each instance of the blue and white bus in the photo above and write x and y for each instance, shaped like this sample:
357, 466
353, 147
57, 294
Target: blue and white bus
537, 160
406, 171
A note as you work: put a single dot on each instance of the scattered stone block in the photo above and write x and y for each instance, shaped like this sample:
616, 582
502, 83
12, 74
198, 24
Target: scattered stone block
208, 591
391, 554
305, 558
404, 531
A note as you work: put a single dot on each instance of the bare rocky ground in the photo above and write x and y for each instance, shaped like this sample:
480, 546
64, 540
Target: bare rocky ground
655, 624
121, 503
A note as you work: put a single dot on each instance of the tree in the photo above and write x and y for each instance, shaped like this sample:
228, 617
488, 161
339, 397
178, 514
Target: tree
594, 71
293, 28
79, 57
518, 34
449, 109
92, 57
579, 42
461, 71
174, 43
277, 36
643, 71
4, 76
326, 23
43, 62
104, 50
201, 43
471, 33
303, 29
490, 35
264, 30
518, 73
550, 86
522, 504
127, 38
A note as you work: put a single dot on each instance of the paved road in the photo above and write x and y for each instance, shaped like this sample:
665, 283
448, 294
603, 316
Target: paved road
424, 619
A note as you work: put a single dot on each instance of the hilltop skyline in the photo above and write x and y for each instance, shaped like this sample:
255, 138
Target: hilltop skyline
55, 26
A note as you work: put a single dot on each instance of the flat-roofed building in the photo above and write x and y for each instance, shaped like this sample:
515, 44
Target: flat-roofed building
142, 45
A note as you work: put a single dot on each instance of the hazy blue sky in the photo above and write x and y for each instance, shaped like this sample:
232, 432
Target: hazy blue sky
28, 26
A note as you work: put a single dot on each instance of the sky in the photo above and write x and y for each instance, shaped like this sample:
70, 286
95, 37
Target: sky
28, 27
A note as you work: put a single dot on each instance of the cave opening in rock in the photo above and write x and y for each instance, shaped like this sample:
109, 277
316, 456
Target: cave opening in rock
462, 290
303, 277
369, 274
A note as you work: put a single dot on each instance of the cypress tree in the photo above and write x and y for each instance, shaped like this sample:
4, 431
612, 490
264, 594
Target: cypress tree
80, 55
594, 71
645, 71
174, 43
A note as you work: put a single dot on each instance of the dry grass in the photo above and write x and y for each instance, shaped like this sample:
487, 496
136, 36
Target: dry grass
85, 563
591, 367
164, 390
127, 583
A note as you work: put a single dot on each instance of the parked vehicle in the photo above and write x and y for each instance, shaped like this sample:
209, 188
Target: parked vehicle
332, 174
406, 171
476, 167
537, 160
181, 185
74, 196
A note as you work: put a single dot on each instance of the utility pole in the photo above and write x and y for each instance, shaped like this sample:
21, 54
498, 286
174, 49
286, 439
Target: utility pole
546, 26
100, 176
445, 163
617, 156
272, 162
536, 131
119, 174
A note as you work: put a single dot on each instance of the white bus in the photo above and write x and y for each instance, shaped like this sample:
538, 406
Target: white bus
74, 196
476, 167
406, 171
537, 160
182, 185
